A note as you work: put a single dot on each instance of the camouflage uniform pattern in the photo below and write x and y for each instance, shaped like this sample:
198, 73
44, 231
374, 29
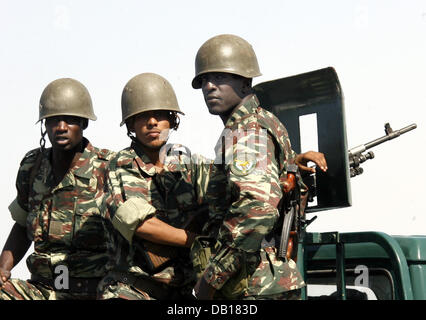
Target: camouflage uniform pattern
137, 192
17, 289
64, 221
242, 268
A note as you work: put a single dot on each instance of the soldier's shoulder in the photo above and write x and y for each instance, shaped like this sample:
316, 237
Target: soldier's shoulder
31, 156
104, 154
248, 121
268, 116
270, 121
123, 158
257, 115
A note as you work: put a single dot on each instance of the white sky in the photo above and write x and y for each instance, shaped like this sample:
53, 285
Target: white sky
377, 48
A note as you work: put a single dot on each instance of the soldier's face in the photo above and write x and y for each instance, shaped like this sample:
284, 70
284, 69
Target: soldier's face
64, 132
152, 128
222, 92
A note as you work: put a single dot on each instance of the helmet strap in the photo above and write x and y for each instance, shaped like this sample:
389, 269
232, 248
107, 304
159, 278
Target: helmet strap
131, 136
174, 120
42, 139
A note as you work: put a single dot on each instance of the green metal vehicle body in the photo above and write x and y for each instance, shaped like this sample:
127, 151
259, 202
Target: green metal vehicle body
395, 266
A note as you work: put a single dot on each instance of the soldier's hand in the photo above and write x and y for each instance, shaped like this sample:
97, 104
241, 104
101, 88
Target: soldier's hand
4, 276
317, 157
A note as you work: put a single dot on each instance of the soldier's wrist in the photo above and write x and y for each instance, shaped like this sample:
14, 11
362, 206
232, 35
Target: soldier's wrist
190, 239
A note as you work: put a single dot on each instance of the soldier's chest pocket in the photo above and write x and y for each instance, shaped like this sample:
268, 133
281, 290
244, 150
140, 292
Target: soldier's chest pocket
40, 205
38, 219
88, 229
75, 218
176, 203
183, 196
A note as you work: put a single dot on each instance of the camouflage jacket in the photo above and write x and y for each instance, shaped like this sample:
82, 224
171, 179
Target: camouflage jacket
253, 167
137, 192
63, 220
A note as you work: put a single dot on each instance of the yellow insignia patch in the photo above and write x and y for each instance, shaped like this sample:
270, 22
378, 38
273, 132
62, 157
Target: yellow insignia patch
243, 165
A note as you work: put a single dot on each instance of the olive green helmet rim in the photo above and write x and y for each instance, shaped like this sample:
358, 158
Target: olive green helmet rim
196, 82
147, 110
93, 118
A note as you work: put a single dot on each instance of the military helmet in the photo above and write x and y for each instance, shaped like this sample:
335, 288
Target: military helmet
68, 97
225, 53
147, 92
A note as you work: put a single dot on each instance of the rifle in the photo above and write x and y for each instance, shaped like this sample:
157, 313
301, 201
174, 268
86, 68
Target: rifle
154, 257
289, 213
356, 156
293, 222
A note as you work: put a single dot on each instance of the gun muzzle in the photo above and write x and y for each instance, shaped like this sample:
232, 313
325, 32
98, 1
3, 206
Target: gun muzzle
408, 128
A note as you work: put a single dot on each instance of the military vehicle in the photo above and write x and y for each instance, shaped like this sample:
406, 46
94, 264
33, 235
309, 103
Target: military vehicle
354, 265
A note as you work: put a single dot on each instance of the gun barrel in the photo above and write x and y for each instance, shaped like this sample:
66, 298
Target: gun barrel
389, 136
357, 150
408, 128
355, 154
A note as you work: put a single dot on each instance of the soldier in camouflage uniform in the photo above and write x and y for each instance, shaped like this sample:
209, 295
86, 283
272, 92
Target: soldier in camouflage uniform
245, 264
151, 198
59, 194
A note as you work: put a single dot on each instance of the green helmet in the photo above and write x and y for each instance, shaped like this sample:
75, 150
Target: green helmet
225, 53
147, 92
66, 97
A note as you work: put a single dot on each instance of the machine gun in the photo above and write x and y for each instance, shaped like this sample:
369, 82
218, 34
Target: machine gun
356, 156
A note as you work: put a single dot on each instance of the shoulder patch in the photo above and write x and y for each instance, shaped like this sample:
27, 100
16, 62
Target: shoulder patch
244, 164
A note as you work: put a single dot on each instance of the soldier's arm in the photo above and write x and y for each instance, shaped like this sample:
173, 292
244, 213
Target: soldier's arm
17, 243
251, 216
132, 215
157, 231
16, 246
318, 158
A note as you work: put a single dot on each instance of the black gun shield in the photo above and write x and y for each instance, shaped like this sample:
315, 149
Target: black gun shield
317, 92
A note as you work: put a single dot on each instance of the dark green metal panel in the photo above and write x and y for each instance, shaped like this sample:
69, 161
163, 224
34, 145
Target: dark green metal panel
418, 280
414, 247
353, 251
317, 92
